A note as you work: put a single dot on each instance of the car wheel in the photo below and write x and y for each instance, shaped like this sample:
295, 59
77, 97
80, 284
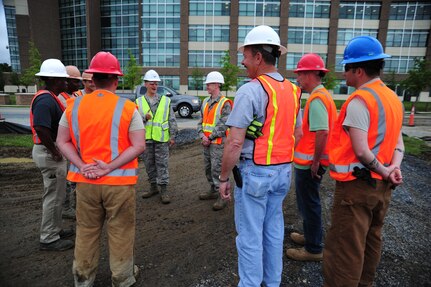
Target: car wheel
184, 110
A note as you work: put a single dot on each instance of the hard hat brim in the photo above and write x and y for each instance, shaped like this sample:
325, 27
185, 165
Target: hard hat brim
52, 75
283, 49
365, 59
308, 69
96, 71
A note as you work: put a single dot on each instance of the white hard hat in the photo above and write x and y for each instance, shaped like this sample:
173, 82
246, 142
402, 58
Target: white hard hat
262, 35
151, 76
214, 77
52, 68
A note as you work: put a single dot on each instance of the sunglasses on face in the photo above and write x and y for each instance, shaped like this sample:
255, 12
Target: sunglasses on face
348, 67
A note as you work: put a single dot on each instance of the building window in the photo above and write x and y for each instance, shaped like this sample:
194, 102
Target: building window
309, 9
343, 89
407, 38
191, 84
206, 58
360, 10
12, 38
209, 8
259, 8
209, 33
410, 11
308, 35
120, 29
345, 35
338, 66
172, 82
399, 64
161, 33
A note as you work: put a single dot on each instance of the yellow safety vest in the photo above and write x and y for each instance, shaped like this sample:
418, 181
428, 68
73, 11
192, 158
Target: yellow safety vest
156, 128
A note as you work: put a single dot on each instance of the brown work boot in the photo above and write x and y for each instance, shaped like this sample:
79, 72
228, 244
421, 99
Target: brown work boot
210, 194
164, 196
153, 190
297, 238
300, 254
219, 204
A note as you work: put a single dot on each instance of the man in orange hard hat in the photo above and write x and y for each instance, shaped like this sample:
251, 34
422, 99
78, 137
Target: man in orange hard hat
311, 157
103, 148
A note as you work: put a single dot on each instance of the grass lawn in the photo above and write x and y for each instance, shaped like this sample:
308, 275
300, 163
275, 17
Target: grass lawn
16, 140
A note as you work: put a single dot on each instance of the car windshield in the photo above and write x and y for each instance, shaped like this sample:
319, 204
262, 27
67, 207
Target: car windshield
160, 90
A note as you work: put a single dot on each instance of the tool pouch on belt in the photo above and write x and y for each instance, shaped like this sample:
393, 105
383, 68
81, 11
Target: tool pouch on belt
254, 130
364, 174
237, 176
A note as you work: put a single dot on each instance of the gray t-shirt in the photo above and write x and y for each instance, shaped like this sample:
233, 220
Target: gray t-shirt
251, 100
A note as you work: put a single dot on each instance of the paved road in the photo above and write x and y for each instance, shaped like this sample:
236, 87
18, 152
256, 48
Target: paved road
20, 115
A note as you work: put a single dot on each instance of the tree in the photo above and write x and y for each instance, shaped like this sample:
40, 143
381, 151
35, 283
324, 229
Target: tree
330, 79
5, 67
229, 72
418, 79
132, 75
197, 79
28, 76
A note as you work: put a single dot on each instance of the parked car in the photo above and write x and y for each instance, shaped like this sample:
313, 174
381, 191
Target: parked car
186, 105
130, 96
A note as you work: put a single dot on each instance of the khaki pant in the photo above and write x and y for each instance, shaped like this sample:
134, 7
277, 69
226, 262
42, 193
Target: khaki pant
94, 205
354, 242
54, 191
212, 160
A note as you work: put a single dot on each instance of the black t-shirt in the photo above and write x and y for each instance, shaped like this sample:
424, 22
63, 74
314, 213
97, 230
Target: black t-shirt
47, 113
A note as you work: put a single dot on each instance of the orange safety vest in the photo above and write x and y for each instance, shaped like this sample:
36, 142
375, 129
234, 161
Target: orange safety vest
36, 139
103, 135
304, 151
278, 140
386, 119
211, 117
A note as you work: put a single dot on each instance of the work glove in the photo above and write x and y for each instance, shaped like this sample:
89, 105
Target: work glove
254, 130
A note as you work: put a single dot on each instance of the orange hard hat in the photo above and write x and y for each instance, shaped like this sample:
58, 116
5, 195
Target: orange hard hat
311, 62
104, 63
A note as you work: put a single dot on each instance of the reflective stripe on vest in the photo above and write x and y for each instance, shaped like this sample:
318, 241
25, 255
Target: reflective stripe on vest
386, 114
36, 138
211, 117
277, 143
157, 128
114, 144
304, 151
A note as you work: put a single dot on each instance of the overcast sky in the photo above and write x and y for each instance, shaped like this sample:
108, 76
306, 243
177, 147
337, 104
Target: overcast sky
4, 52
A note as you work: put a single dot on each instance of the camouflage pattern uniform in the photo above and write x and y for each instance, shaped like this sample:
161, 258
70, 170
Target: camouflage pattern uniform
156, 154
214, 152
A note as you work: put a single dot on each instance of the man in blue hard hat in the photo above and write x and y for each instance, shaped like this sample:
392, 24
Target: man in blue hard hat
365, 154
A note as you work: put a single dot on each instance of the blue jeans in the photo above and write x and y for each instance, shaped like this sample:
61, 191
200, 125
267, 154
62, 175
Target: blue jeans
308, 200
260, 224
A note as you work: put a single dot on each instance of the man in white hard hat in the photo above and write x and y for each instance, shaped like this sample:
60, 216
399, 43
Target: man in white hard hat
212, 130
161, 129
45, 113
263, 124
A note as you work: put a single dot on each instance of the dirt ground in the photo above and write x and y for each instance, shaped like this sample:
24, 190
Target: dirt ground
185, 243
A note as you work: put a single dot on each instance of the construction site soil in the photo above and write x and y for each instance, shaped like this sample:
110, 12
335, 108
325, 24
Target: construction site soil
185, 243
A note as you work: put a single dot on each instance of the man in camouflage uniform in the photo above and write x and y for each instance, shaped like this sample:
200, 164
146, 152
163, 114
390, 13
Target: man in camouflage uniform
212, 130
161, 129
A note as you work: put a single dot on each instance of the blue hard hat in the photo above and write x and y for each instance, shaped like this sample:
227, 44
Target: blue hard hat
363, 48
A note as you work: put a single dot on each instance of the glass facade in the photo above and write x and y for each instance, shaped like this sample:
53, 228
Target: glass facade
410, 11
209, 8
209, 33
191, 84
73, 33
12, 38
308, 35
206, 58
359, 10
399, 64
345, 35
120, 29
171, 81
309, 9
407, 38
161, 33
259, 8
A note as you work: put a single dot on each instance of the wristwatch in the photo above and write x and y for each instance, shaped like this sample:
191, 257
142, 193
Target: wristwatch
221, 180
